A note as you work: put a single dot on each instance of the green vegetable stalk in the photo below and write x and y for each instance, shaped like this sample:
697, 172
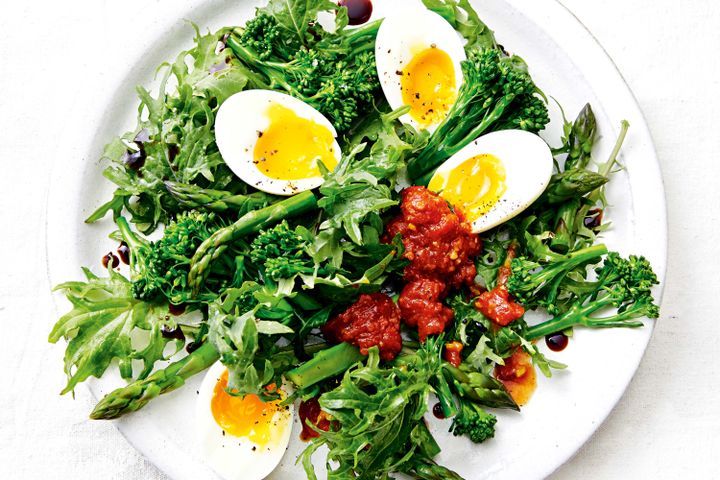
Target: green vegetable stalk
497, 94
581, 140
335, 74
193, 197
325, 364
572, 184
622, 283
542, 284
251, 222
137, 394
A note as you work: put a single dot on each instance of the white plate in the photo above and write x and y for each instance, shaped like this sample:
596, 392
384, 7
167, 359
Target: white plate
570, 66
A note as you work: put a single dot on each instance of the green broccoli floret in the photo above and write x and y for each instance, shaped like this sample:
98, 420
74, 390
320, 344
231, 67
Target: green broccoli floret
282, 252
625, 284
474, 422
263, 35
531, 115
548, 284
161, 267
497, 93
336, 76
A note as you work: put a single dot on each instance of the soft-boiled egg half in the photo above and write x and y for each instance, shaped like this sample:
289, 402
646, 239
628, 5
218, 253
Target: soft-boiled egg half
241, 438
275, 142
495, 177
418, 55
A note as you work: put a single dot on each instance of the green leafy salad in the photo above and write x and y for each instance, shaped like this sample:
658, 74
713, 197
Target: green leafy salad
350, 219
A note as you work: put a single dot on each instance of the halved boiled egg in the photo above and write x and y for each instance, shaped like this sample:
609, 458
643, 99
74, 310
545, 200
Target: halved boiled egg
418, 55
241, 438
495, 177
275, 142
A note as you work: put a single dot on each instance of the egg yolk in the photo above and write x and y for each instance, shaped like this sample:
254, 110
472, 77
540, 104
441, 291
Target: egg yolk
473, 186
428, 86
290, 148
246, 416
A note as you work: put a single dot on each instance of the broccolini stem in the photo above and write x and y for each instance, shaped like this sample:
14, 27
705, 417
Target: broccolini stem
251, 222
357, 37
250, 59
137, 394
424, 165
446, 141
194, 197
580, 315
130, 237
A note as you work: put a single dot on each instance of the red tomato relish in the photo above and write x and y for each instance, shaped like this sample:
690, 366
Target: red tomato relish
373, 320
496, 304
311, 413
452, 352
441, 247
518, 376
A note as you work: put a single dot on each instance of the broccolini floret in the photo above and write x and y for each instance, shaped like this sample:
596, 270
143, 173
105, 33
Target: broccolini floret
531, 115
623, 283
463, 392
473, 421
262, 34
282, 252
338, 78
497, 93
548, 285
161, 268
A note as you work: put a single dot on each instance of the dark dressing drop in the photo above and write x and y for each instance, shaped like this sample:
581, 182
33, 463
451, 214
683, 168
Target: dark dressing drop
438, 411
174, 333
359, 11
594, 218
556, 341
176, 309
111, 260
123, 252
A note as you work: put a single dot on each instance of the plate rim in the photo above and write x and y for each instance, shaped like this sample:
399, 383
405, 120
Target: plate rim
650, 167
661, 216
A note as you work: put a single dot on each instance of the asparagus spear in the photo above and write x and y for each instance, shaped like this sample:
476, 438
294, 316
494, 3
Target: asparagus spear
192, 196
428, 469
572, 213
572, 184
137, 394
251, 222
479, 387
566, 226
325, 364
581, 139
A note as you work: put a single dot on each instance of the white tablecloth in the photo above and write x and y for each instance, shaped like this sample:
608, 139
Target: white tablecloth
666, 426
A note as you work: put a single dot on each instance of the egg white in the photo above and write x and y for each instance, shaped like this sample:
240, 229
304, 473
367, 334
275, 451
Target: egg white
528, 164
238, 123
236, 458
405, 33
